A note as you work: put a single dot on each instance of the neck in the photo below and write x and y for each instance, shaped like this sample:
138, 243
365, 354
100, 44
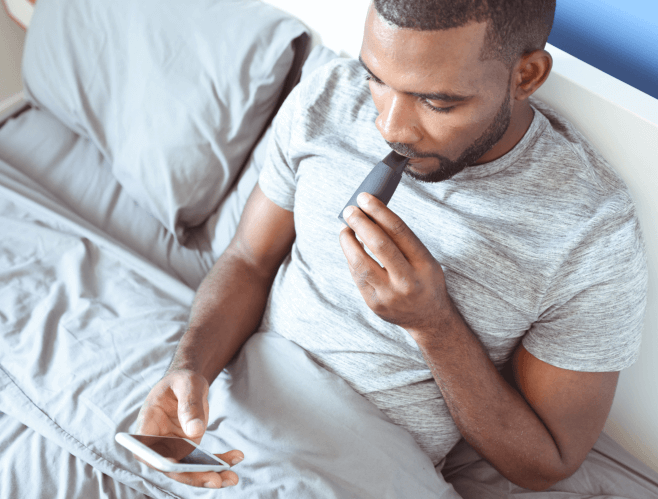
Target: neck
520, 122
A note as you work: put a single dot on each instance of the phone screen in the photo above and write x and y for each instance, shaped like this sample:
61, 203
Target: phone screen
176, 448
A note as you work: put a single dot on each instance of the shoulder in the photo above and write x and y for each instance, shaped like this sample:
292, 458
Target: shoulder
330, 104
574, 170
339, 74
334, 89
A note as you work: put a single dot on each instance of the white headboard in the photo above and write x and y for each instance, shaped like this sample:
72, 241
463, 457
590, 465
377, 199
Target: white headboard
622, 124
338, 24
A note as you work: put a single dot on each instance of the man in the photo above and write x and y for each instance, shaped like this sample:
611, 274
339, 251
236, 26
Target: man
509, 284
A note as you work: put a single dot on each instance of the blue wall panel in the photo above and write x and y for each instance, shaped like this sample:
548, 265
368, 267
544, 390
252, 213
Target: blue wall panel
619, 37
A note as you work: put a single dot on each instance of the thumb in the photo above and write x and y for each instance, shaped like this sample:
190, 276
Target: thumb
194, 428
192, 395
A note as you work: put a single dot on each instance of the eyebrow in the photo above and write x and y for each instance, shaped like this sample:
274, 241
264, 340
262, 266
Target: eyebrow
431, 96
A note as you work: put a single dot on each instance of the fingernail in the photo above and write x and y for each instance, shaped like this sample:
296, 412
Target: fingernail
210, 485
348, 211
226, 483
237, 460
194, 427
363, 198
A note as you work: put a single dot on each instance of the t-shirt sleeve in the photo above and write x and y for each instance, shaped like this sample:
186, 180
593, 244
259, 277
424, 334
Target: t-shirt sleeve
593, 312
277, 178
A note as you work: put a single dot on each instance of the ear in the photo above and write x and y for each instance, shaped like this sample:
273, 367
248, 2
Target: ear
531, 72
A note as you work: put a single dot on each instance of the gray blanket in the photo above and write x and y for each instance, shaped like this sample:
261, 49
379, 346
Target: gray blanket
87, 328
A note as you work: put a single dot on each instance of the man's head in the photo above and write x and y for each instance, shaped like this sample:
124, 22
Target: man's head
485, 56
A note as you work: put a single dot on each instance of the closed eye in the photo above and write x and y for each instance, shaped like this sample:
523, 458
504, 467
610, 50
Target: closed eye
436, 109
425, 102
369, 77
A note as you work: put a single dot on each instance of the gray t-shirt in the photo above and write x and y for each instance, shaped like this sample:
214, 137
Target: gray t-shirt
541, 246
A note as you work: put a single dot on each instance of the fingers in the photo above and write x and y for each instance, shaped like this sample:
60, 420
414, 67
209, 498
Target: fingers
178, 406
153, 419
377, 241
211, 479
172, 402
365, 271
207, 479
393, 228
192, 394
231, 457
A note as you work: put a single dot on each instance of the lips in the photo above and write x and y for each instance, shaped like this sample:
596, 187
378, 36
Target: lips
412, 159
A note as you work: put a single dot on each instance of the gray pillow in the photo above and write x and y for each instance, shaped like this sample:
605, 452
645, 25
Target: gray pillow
222, 225
174, 93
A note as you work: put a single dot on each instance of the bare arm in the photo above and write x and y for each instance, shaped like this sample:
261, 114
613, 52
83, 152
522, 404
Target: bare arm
535, 424
230, 302
227, 309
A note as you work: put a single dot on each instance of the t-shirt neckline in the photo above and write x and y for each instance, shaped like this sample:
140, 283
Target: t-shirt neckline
535, 129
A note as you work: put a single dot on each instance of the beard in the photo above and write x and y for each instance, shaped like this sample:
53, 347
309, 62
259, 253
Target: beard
475, 151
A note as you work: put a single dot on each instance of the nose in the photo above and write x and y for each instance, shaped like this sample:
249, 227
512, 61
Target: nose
396, 122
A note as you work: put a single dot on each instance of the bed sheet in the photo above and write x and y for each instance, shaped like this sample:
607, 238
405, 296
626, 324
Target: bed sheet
72, 169
87, 327
34, 467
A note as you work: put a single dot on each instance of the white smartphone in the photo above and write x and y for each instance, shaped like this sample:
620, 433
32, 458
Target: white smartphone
171, 453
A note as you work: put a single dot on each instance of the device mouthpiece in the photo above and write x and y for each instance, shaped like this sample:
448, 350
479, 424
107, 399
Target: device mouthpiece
396, 161
382, 181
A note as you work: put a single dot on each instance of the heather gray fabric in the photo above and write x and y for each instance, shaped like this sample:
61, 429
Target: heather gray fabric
541, 246
206, 77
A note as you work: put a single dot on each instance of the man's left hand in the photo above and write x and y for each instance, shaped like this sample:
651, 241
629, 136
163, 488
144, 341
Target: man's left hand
409, 290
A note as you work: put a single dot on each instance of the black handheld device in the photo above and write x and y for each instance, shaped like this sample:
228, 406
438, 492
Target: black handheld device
381, 182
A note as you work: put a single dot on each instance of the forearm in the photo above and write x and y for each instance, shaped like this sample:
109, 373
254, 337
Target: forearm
227, 310
491, 415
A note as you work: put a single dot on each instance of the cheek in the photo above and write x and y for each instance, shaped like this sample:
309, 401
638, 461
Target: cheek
451, 133
446, 134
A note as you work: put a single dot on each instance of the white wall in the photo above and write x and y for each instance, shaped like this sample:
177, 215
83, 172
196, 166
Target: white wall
12, 38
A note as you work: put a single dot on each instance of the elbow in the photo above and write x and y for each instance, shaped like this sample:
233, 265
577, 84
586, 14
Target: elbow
538, 485
540, 481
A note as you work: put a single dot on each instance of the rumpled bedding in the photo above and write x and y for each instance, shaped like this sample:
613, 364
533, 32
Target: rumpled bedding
87, 327
33, 467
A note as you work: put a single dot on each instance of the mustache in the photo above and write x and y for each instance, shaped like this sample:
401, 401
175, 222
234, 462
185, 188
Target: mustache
408, 151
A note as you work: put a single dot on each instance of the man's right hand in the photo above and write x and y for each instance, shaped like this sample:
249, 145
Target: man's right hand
177, 406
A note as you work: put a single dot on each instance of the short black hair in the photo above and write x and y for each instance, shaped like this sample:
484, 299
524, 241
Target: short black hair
515, 27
